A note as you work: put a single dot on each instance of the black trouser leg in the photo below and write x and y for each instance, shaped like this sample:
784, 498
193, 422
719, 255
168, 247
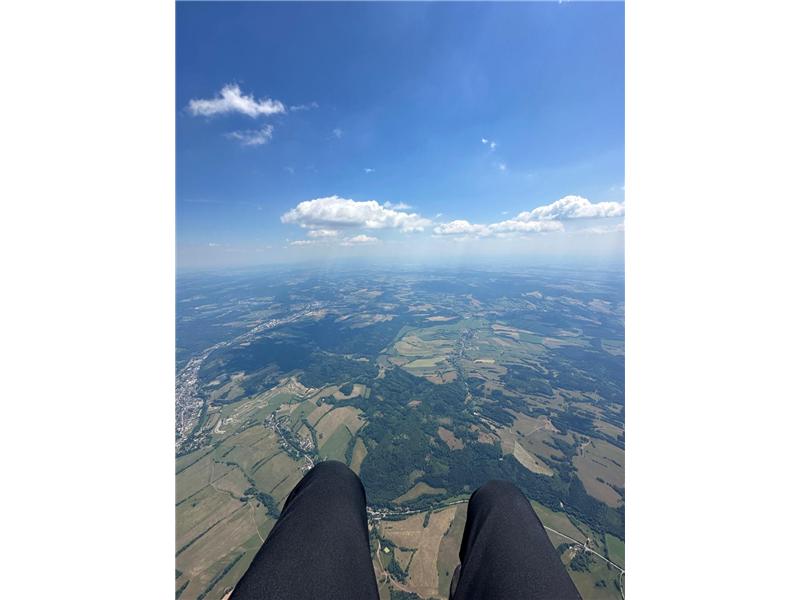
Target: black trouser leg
319, 547
505, 552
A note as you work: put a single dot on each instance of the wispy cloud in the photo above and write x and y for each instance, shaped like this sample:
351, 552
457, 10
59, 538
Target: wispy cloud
289, 169
323, 233
303, 107
337, 133
368, 170
252, 137
502, 166
334, 212
465, 228
231, 100
359, 240
486, 142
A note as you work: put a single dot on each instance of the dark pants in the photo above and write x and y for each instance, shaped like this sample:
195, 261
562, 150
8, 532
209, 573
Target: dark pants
319, 547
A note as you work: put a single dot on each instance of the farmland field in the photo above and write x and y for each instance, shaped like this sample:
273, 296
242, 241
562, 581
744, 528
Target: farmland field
427, 385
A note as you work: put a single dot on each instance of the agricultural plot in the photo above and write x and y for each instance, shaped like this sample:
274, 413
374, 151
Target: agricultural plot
418, 490
427, 386
423, 534
221, 520
601, 468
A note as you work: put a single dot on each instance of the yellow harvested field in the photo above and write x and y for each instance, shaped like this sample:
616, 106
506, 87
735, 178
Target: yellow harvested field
529, 461
449, 438
423, 576
318, 413
359, 454
403, 557
514, 440
448, 550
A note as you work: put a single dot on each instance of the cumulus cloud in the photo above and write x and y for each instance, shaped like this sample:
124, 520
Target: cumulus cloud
461, 227
231, 100
368, 170
252, 137
397, 205
574, 207
334, 212
302, 242
492, 145
358, 240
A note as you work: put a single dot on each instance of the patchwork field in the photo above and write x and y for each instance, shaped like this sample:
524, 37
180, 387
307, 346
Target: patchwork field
425, 547
601, 468
427, 385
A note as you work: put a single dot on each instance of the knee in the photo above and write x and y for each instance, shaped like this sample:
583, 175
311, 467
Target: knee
499, 493
335, 471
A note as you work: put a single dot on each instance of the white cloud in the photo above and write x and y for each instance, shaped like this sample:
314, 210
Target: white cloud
359, 240
213, 245
334, 212
338, 133
574, 207
516, 226
397, 205
322, 233
302, 107
368, 170
502, 166
289, 170
252, 137
492, 145
231, 100
302, 242
462, 227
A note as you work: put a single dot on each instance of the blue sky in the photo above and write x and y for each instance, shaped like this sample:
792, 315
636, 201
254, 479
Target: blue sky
307, 131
